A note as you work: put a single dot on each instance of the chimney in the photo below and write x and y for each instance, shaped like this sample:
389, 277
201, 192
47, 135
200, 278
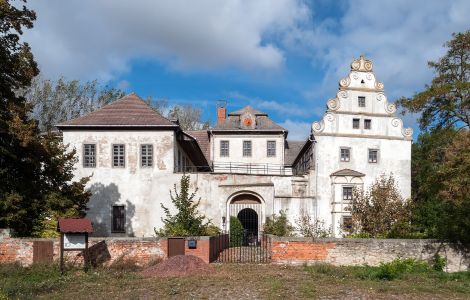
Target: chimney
221, 111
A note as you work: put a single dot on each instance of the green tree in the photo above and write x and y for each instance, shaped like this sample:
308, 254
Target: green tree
445, 102
35, 171
54, 102
187, 221
236, 232
278, 225
378, 210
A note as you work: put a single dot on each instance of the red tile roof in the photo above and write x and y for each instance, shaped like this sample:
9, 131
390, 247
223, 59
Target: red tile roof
130, 110
202, 138
75, 225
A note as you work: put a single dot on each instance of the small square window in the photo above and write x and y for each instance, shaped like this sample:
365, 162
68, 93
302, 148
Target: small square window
373, 155
367, 124
224, 149
247, 148
119, 156
345, 154
347, 193
271, 148
356, 123
119, 219
347, 222
89, 155
361, 101
146, 155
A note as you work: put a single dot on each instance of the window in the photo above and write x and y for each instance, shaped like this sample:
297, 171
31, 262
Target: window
367, 123
347, 193
356, 123
146, 155
373, 155
345, 154
118, 155
119, 218
271, 148
89, 155
224, 149
247, 148
347, 222
361, 101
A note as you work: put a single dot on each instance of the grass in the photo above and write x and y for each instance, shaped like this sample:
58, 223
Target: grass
398, 279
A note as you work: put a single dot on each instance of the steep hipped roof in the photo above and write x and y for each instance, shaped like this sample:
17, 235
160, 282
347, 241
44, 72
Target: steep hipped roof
262, 122
130, 110
292, 150
202, 139
348, 172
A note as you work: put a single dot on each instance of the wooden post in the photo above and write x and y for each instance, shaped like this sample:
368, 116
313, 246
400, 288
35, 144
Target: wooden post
85, 253
62, 253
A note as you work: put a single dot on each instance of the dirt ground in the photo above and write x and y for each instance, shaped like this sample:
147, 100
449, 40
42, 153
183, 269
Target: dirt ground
251, 281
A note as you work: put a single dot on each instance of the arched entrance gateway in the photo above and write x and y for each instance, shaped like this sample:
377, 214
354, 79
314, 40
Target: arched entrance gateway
248, 208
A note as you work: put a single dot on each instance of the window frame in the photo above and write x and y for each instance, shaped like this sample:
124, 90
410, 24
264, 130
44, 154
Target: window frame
113, 155
356, 121
376, 156
247, 142
347, 196
146, 155
221, 154
272, 142
341, 154
343, 218
361, 100
84, 155
368, 121
122, 216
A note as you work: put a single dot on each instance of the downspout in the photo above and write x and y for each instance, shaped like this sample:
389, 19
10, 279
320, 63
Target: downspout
316, 176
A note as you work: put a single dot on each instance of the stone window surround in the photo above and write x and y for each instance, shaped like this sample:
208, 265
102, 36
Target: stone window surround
271, 151
123, 154
222, 149
148, 156
348, 157
247, 149
376, 157
94, 156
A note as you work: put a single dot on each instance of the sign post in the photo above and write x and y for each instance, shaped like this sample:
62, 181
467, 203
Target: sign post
74, 237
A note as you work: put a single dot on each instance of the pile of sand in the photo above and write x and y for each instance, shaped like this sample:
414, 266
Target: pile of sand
179, 265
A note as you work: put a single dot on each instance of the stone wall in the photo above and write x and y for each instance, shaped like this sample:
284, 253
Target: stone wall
354, 252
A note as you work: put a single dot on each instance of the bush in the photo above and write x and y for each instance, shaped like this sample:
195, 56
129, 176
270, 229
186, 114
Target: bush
395, 269
278, 225
236, 232
438, 263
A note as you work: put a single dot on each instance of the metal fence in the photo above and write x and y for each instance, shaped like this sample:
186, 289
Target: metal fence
243, 248
238, 168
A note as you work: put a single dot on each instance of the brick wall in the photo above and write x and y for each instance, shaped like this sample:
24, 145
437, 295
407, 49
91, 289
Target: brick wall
364, 251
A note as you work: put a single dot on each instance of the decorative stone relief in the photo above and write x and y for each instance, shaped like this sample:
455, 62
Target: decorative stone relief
396, 122
342, 94
333, 104
381, 97
407, 132
369, 76
390, 108
361, 65
379, 85
344, 82
320, 126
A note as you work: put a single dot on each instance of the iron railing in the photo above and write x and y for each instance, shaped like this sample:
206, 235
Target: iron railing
246, 247
238, 168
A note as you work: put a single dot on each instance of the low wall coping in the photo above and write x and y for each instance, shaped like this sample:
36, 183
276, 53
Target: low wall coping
351, 240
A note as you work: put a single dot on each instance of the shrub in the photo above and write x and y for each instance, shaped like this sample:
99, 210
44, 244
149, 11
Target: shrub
438, 263
396, 268
236, 232
308, 227
278, 225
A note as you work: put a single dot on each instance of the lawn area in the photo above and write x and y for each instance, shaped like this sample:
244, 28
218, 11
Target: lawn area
232, 281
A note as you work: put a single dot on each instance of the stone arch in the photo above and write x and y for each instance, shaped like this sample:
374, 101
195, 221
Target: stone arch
247, 201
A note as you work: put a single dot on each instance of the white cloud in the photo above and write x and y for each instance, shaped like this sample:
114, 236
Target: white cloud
89, 39
297, 130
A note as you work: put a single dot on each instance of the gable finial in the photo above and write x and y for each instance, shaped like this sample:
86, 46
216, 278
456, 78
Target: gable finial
361, 64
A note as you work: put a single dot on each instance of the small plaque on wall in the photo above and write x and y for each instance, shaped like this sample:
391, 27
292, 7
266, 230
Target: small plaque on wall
192, 244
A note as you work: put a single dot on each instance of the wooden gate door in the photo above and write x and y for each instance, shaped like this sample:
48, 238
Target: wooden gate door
176, 246
42, 251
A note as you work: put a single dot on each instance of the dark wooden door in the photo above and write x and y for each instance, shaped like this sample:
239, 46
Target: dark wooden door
176, 246
42, 251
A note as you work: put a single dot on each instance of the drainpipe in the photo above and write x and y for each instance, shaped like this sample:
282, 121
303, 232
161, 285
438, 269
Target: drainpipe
316, 175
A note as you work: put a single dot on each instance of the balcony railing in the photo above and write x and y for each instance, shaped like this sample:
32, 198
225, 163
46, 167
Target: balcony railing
239, 168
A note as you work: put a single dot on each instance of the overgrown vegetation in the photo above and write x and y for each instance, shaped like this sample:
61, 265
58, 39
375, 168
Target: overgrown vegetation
279, 225
187, 221
380, 211
236, 232
312, 228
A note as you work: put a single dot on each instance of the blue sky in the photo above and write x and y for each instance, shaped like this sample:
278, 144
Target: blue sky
284, 57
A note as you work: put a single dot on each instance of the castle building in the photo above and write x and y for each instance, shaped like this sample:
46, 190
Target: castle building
245, 166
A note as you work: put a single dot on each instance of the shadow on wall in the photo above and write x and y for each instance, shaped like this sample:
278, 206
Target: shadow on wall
100, 209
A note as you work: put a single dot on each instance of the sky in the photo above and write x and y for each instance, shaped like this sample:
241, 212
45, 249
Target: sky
284, 57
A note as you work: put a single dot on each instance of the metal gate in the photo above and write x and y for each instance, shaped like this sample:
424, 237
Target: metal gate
244, 248
176, 246
42, 251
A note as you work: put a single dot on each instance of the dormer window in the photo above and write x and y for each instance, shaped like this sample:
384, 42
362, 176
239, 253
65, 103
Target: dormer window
356, 123
361, 101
